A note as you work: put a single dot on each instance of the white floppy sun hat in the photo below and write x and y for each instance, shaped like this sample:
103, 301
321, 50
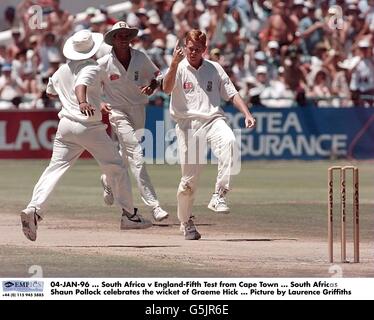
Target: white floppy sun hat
82, 45
119, 26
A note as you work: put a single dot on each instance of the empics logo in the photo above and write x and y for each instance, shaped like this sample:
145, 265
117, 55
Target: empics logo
8, 284
23, 286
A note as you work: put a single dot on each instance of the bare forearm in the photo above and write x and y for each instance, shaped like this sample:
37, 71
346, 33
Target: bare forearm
240, 104
250, 121
80, 92
169, 80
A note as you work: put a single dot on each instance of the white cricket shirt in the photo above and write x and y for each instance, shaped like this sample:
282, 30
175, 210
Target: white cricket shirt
198, 93
122, 87
67, 78
363, 76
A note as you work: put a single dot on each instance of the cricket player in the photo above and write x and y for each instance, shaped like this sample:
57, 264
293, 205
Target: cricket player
128, 78
197, 86
77, 85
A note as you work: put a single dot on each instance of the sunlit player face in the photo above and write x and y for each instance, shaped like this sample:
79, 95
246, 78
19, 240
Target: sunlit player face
194, 52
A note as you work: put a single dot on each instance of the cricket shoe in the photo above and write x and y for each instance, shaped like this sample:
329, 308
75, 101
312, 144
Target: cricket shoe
218, 204
182, 226
107, 193
190, 231
29, 220
134, 221
159, 214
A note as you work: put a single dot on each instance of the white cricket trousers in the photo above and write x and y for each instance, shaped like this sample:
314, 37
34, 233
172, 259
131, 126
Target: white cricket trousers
193, 137
128, 124
72, 138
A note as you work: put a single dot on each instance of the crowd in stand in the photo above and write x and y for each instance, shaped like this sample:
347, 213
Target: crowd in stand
277, 53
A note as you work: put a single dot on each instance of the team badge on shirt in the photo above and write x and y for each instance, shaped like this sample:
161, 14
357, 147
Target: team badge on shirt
113, 77
187, 85
136, 75
209, 86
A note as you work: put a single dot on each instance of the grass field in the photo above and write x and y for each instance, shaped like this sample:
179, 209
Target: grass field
277, 225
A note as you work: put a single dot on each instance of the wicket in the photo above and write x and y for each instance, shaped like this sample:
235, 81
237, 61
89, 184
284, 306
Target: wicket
356, 238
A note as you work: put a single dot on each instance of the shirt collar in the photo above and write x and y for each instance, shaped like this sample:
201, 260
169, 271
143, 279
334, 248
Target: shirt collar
113, 54
187, 64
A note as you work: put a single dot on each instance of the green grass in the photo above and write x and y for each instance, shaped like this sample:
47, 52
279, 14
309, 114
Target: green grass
280, 199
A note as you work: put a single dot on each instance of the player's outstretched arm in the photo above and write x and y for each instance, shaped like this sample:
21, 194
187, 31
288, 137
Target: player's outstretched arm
84, 106
250, 121
169, 80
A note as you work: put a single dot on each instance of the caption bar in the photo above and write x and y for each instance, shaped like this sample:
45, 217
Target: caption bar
176, 289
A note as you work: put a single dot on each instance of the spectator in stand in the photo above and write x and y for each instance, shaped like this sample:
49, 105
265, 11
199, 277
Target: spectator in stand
238, 68
310, 29
232, 50
157, 30
90, 13
17, 45
186, 15
10, 17
362, 81
59, 21
240, 29
297, 11
273, 58
157, 55
255, 97
340, 84
164, 11
295, 75
354, 29
110, 21
3, 55
222, 25
215, 55
321, 54
277, 94
247, 84
33, 52
49, 47
10, 88
259, 59
262, 80
98, 23
25, 12
55, 61
19, 64
280, 27
29, 83
42, 100
142, 19
320, 89
211, 12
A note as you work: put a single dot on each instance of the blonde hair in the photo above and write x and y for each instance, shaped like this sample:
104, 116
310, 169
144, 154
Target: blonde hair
196, 36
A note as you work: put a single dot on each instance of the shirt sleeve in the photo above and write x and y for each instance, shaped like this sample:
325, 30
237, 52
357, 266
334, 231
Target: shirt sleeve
88, 76
227, 88
178, 78
150, 69
50, 87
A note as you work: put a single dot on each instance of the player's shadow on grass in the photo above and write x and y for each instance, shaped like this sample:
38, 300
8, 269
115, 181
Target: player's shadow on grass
118, 246
251, 239
163, 225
